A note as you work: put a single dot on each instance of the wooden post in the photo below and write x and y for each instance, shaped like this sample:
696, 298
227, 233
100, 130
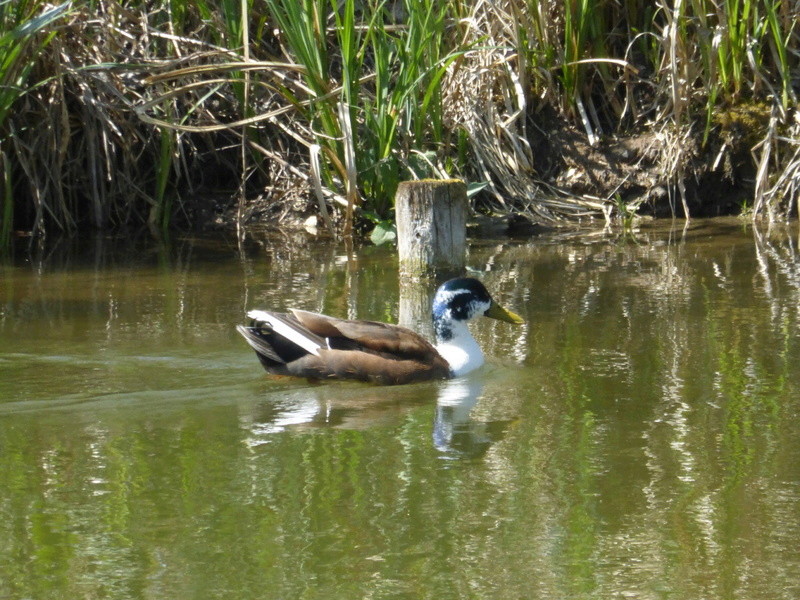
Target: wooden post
414, 310
431, 226
431, 242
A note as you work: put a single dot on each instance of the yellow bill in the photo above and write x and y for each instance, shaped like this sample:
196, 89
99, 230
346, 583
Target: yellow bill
498, 312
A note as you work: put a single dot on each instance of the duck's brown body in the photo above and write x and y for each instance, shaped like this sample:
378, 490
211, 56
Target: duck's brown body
340, 349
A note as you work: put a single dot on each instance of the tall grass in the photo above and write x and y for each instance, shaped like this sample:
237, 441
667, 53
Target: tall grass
385, 95
115, 114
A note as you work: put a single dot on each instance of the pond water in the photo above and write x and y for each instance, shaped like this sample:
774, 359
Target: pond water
638, 437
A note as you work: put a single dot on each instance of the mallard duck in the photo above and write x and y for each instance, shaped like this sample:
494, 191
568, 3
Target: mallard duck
316, 346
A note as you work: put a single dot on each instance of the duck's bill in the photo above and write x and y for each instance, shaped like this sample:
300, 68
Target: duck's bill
498, 312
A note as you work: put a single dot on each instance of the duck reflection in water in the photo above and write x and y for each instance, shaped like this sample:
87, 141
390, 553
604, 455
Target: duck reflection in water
455, 434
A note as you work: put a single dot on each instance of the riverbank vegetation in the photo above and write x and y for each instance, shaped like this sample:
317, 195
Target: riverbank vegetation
174, 113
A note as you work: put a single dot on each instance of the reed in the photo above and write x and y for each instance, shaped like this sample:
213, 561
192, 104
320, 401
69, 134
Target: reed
25, 31
616, 67
385, 93
138, 108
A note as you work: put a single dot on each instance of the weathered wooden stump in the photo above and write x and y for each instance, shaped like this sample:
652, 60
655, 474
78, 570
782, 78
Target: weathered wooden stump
431, 242
431, 226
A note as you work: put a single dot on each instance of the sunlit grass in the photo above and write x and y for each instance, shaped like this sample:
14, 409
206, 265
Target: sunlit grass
385, 102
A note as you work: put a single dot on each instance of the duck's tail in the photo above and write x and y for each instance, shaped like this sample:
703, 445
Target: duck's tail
279, 339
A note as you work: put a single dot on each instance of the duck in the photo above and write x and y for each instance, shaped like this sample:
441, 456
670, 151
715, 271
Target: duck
319, 347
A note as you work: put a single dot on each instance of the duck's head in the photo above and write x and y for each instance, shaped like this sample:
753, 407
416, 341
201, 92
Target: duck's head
459, 300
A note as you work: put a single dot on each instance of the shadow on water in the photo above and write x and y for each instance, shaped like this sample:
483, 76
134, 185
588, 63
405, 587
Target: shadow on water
637, 437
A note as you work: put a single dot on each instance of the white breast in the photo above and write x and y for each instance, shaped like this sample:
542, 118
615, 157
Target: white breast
461, 351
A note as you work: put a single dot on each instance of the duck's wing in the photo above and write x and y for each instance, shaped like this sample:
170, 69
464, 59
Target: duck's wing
383, 338
316, 346
288, 327
279, 338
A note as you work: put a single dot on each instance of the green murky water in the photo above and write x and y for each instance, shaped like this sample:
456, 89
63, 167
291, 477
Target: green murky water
638, 438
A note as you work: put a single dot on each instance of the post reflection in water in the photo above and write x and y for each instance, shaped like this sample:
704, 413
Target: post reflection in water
639, 436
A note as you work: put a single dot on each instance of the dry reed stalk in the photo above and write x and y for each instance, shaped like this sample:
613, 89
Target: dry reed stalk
92, 137
119, 147
779, 200
243, 149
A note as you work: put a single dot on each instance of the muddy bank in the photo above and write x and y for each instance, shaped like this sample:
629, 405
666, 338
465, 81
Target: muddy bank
638, 171
642, 171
